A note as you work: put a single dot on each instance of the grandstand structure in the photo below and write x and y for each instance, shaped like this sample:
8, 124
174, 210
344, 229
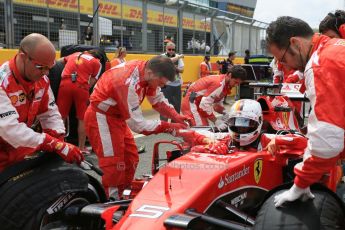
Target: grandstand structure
197, 27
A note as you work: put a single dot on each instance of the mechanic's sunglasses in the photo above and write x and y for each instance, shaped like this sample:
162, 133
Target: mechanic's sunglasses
37, 65
282, 60
171, 49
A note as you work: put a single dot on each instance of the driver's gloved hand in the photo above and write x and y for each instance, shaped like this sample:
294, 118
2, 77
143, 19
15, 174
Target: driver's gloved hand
293, 194
219, 148
220, 124
68, 152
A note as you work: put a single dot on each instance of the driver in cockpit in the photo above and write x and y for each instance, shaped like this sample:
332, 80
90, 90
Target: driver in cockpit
244, 122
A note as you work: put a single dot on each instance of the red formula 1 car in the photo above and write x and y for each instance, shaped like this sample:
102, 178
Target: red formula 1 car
233, 190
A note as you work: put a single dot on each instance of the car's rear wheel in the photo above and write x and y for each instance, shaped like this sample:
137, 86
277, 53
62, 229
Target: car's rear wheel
323, 212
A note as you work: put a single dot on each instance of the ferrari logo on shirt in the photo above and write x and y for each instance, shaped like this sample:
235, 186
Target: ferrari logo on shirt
21, 97
257, 170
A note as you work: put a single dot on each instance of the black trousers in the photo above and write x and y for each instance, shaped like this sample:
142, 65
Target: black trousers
173, 94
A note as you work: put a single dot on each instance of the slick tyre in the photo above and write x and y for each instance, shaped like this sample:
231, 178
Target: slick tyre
324, 212
26, 198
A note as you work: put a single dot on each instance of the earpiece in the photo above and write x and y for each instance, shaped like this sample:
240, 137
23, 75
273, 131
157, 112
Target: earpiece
342, 31
339, 25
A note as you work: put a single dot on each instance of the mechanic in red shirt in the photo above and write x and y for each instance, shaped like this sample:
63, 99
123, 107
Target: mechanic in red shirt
205, 67
115, 109
206, 96
25, 96
294, 44
81, 72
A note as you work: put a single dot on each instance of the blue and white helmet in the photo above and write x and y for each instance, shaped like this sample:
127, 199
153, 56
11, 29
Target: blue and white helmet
245, 121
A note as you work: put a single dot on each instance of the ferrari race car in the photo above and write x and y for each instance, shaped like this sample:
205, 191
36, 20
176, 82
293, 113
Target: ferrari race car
231, 190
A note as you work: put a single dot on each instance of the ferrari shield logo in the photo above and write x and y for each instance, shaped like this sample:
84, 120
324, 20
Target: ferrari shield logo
257, 170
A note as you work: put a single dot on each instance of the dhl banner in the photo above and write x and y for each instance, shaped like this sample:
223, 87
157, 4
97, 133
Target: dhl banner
65, 5
113, 10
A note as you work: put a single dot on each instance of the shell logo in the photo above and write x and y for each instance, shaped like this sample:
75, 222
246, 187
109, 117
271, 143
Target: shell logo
221, 183
14, 99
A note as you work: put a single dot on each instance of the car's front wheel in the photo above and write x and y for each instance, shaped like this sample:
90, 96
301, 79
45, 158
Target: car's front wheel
324, 212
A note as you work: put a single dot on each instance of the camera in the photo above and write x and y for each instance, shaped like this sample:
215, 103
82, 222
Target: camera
224, 65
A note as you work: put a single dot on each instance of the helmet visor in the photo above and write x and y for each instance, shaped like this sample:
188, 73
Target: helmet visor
242, 125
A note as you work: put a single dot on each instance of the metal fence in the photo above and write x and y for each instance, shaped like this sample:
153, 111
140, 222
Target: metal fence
140, 26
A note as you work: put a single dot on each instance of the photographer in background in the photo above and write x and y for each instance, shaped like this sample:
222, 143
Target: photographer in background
172, 90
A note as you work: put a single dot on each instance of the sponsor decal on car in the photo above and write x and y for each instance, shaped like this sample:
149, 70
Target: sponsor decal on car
238, 200
257, 170
230, 178
221, 183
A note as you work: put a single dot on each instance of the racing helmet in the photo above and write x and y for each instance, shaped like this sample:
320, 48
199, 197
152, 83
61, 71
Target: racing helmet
245, 121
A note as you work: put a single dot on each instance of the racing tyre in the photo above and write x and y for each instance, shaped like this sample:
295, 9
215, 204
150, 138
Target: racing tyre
37, 198
324, 212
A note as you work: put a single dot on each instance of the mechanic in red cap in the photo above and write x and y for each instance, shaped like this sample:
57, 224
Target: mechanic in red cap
294, 44
25, 96
81, 72
115, 103
206, 96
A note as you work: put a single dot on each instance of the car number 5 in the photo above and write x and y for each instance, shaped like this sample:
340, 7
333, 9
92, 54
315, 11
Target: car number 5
149, 211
